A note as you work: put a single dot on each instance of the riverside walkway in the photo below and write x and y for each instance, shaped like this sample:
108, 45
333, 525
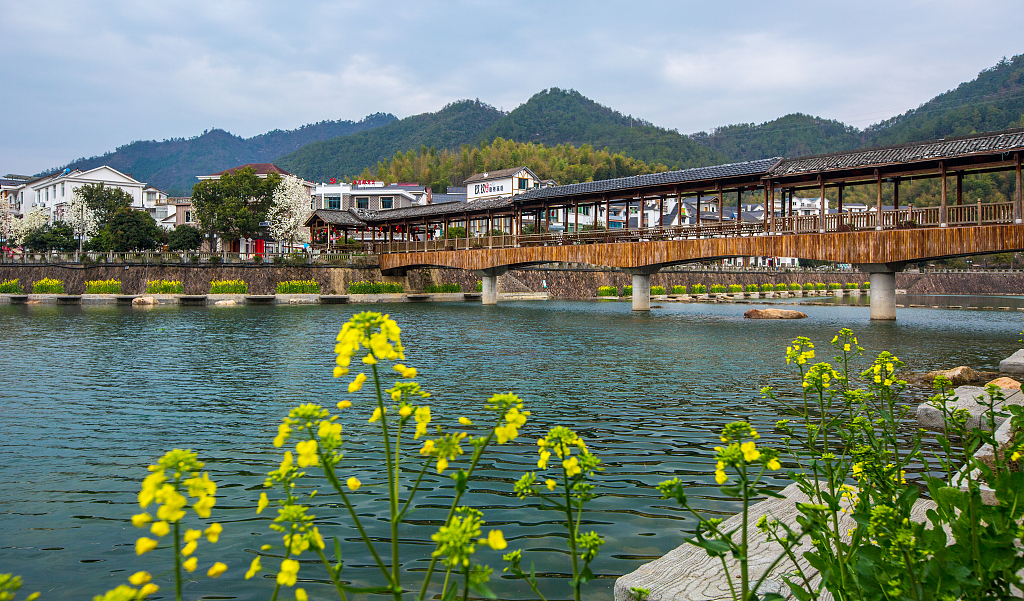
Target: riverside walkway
880, 240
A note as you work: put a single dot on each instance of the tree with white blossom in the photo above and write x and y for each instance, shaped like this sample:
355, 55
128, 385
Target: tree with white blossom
289, 210
32, 220
81, 217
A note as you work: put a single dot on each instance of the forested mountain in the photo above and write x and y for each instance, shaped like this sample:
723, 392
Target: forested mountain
458, 123
564, 163
790, 136
172, 165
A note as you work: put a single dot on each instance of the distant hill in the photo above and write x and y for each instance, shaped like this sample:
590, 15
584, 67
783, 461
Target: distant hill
790, 136
172, 165
459, 123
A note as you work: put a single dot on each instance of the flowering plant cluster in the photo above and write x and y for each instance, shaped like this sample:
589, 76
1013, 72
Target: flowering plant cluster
298, 287
11, 287
164, 287
48, 286
228, 287
103, 287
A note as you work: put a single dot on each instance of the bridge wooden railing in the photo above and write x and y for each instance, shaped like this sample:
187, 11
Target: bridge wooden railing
956, 216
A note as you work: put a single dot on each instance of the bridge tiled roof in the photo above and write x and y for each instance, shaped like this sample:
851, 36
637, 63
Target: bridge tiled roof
448, 208
758, 167
904, 153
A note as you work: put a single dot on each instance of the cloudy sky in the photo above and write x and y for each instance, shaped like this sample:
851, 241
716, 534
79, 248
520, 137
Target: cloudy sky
82, 78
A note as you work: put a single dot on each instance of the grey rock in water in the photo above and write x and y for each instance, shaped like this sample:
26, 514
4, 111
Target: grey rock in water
1014, 364
225, 303
774, 314
930, 416
145, 301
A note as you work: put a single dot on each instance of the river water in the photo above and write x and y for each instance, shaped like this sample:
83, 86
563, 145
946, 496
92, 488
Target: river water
91, 395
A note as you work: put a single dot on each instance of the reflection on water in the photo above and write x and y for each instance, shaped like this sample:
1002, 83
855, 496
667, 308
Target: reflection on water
93, 394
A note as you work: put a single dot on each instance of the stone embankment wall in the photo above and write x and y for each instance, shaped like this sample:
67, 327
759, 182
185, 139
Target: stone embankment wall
561, 282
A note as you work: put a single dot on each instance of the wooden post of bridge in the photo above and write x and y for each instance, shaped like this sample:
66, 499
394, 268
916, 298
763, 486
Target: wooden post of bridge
661, 211
1017, 197
721, 205
943, 222
896, 198
739, 205
959, 188
878, 200
771, 216
767, 184
821, 205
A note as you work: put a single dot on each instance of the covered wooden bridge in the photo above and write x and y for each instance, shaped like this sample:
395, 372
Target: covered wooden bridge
507, 232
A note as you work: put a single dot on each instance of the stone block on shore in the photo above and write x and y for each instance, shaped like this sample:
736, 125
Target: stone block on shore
958, 376
774, 314
144, 301
1014, 364
930, 417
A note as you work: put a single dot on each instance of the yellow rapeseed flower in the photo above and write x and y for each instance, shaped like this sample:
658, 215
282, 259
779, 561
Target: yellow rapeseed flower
377, 413
254, 567
140, 520
542, 463
264, 501
190, 564
442, 464
213, 532
353, 483
191, 535
300, 595
572, 466
216, 570
773, 464
1015, 456
465, 421
306, 451
203, 506
405, 410
750, 453
144, 545
160, 528
289, 572
189, 549
140, 578
148, 589
496, 540
357, 384
427, 448
550, 484
344, 404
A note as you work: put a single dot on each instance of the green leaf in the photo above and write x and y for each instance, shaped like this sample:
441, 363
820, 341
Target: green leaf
483, 590
586, 575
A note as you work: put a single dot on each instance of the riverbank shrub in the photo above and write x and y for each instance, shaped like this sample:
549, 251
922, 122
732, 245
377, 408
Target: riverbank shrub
228, 287
865, 286
443, 288
607, 291
627, 290
780, 287
807, 287
298, 287
48, 286
700, 289
678, 289
103, 287
734, 288
374, 288
657, 290
11, 287
718, 289
819, 286
833, 286
795, 287
164, 287
479, 286
850, 453
850, 286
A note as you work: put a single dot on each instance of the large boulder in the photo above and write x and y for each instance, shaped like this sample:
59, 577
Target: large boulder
1006, 383
958, 375
226, 303
1014, 364
930, 416
144, 301
774, 314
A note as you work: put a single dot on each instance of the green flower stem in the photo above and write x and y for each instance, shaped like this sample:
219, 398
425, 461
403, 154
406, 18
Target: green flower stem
465, 588
455, 503
333, 479
447, 577
744, 545
415, 487
572, 535
392, 467
334, 574
177, 561
277, 585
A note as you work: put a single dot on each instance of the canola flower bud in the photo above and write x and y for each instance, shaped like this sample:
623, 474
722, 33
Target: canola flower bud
192, 535
263, 502
144, 545
160, 528
404, 410
148, 589
190, 564
216, 570
551, 484
300, 595
465, 421
377, 413
353, 483
344, 404
254, 567
189, 549
140, 578
213, 532
140, 520
340, 371
427, 448
357, 384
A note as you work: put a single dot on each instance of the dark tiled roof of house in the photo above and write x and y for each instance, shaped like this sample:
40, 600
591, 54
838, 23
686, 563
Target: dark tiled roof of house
336, 217
757, 167
904, 153
259, 168
500, 173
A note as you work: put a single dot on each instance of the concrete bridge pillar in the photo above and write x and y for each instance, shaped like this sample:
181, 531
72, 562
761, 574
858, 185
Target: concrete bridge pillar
883, 289
489, 283
641, 286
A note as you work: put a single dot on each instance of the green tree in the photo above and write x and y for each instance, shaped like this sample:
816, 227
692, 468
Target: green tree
56, 236
128, 230
104, 201
233, 206
185, 237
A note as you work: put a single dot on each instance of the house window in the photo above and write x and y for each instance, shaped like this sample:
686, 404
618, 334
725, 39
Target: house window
523, 183
362, 202
334, 202
387, 202
188, 216
583, 210
62, 188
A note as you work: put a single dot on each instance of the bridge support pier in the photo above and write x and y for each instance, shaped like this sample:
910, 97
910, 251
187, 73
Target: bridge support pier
883, 289
641, 286
489, 283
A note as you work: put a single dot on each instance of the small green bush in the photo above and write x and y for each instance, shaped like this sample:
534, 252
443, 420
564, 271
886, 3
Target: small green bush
734, 288
780, 287
678, 289
865, 286
627, 291
700, 289
751, 288
795, 287
819, 286
808, 286
850, 286
48, 286
657, 290
103, 287
443, 288
607, 291
717, 289
833, 286
11, 287
228, 287
374, 288
164, 287
298, 287
479, 286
